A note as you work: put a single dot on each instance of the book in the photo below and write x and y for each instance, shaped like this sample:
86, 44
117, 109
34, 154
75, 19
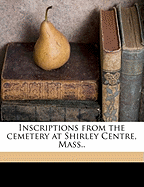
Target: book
132, 63
51, 110
110, 54
22, 79
141, 111
140, 9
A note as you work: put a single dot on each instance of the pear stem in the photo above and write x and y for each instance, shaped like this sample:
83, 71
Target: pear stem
46, 19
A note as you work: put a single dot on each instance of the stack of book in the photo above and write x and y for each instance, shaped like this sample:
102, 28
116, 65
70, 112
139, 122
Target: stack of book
72, 92
69, 93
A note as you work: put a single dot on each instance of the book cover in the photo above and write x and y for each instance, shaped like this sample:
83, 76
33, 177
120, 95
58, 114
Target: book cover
132, 63
22, 79
110, 54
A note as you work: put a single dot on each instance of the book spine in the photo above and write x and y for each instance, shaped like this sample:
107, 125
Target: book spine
131, 83
51, 90
141, 111
53, 111
110, 74
131, 78
140, 11
111, 90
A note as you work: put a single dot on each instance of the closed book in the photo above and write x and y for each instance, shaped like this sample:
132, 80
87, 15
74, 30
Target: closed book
141, 111
132, 63
110, 54
140, 9
22, 79
51, 110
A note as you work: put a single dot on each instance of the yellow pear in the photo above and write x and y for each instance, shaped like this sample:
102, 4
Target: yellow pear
52, 49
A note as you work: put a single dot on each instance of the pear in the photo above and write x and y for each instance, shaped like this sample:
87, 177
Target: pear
52, 49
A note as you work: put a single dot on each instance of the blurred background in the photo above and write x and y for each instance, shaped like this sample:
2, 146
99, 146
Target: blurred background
78, 20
